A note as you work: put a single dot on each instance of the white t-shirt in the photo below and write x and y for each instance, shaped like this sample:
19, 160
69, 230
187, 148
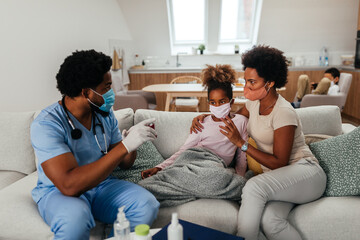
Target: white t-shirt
261, 128
334, 89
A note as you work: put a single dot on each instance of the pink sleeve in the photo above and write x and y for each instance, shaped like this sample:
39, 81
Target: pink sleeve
241, 161
192, 141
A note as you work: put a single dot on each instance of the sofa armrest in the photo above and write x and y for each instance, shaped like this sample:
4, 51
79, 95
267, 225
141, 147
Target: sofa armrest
133, 101
317, 100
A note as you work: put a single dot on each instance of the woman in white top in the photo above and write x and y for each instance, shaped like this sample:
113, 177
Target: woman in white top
292, 174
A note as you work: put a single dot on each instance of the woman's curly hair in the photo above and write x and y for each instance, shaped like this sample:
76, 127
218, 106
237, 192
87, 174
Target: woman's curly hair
82, 69
270, 64
219, 76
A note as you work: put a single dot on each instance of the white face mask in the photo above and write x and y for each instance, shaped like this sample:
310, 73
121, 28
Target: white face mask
221, 111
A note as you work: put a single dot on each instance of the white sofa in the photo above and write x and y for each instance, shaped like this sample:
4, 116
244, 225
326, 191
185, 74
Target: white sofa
326, 218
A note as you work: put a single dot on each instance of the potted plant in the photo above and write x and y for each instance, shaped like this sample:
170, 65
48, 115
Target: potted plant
201, 48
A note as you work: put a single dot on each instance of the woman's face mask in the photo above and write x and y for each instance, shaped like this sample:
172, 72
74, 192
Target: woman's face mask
109, 100
256, 94
221, 111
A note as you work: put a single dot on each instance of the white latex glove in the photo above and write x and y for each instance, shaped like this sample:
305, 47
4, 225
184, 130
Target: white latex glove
139, 134
124, 133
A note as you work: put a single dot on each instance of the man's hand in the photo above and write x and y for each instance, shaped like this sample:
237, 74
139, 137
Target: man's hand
196, 123
149, 172
139, 134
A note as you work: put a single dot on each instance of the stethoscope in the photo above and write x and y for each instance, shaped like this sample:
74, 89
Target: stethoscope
76, 133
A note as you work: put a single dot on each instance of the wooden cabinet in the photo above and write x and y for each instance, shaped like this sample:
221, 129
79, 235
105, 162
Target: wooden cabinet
352, 106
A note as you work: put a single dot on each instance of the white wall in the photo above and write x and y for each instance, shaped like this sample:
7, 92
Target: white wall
298, 27
302, 27
37, 35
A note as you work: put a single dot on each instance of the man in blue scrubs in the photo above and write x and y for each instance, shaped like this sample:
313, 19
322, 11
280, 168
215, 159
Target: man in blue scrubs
78, 144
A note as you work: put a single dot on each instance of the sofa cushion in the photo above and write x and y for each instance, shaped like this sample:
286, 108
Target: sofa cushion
311, 138
172, 128
147, 156
9, 177
20, 218
213, 213
16, 151
125, 118
253, 165
339, 157
329, 218
313, 120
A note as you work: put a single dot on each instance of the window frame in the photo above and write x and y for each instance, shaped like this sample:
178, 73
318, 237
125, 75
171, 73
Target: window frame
212, 38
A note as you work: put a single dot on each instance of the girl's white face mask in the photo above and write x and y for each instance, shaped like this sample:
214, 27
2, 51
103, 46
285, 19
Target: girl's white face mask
221, 111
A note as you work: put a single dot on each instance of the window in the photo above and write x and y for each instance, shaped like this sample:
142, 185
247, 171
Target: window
188, 18
219, 24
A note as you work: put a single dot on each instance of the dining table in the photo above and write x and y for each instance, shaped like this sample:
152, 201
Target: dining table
188, 90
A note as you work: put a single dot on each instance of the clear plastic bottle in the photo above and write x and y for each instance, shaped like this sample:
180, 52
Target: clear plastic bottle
175, 230
324, 57
142, 232
121, 226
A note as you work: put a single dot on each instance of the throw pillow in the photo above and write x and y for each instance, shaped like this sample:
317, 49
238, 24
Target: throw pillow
339, 157
252, 163
147, 156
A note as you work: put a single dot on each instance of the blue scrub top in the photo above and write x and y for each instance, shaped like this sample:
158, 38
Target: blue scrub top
51, 137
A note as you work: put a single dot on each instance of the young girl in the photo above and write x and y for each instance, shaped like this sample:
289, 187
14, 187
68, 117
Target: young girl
218, 80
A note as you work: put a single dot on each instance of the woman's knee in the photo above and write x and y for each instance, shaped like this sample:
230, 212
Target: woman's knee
254, 187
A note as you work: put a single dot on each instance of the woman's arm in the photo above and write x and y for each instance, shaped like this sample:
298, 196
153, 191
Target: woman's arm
243, 111
282, 146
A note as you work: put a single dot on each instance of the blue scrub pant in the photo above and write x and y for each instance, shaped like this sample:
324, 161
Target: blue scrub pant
73, 217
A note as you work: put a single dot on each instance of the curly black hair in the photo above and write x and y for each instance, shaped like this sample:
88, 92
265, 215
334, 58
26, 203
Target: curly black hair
219, 76
270, 64
82, 69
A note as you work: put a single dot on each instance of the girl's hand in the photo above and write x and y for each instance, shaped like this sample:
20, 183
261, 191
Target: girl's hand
196, 123
149, 172
231, 132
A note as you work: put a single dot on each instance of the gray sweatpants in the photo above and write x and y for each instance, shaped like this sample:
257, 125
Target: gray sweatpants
268, 198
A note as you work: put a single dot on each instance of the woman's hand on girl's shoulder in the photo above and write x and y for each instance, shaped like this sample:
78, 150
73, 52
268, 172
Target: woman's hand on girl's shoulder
196, 125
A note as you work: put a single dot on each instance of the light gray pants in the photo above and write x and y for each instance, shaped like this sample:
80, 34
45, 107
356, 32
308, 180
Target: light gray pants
268, 198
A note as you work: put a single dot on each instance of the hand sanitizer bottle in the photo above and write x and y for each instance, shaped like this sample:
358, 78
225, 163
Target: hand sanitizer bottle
121, 226
175, 230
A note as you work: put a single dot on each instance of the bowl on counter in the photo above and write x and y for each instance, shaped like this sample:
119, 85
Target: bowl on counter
347, 60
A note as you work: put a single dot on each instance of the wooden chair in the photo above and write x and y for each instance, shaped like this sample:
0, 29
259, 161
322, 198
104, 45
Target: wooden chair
185, 103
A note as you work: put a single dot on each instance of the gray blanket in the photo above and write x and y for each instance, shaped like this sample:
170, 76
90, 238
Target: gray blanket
196, 173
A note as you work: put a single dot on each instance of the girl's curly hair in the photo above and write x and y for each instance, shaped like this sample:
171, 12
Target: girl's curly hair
219, 76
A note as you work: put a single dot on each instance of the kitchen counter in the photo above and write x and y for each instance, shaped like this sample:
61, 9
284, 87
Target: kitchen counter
171, 69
